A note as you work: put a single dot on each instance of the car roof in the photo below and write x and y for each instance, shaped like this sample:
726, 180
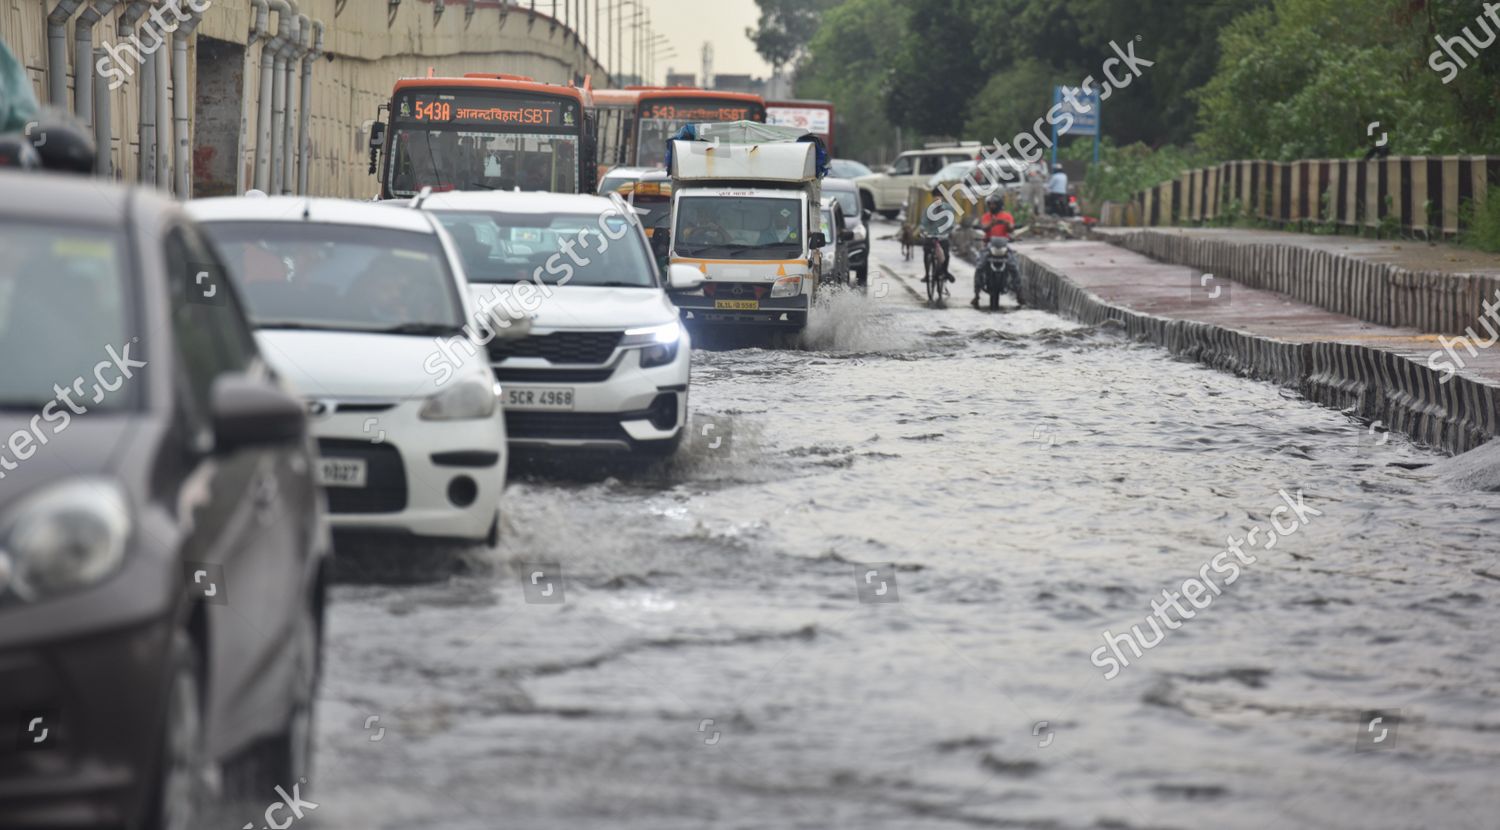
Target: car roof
840, 184
970, 152
629, 172
512, 202
316, 210
72, 199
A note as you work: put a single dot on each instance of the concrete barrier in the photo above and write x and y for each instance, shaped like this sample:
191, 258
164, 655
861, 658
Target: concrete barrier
1370, 383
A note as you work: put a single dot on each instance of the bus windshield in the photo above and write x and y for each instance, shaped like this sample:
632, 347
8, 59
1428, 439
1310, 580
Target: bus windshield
483, 139
661, 119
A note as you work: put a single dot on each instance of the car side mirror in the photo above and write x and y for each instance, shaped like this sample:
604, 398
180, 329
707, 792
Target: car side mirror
891, 170
684, 277
817, 240
250, 412
846, 236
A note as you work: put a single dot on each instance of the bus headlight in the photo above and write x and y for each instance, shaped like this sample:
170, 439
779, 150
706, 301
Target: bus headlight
787, 287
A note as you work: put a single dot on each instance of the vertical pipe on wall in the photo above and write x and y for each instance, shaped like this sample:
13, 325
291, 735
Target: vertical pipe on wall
83, 53
125, 28
278, 99
264, 126
294, 67
183, 161
163, 141
260, 24
103, 130
57, 51
304, 142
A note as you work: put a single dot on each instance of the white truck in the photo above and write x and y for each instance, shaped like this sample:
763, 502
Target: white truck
745, 218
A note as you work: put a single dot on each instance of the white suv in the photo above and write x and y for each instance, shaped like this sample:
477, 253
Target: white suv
600, 361
351, 301
885, 192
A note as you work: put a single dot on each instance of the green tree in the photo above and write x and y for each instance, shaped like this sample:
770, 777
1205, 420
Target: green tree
848, 62
936, 71
785, 27
1306, 78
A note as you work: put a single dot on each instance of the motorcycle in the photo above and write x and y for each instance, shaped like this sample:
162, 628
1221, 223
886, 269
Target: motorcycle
998, 272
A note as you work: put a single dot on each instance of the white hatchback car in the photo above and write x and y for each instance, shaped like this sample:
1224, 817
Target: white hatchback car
604, 363
350, 302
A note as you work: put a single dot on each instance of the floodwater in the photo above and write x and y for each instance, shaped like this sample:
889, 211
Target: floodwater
1018, 484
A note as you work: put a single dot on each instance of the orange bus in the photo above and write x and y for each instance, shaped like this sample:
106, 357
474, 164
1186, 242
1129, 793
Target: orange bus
635, 123
485, 132
814, 116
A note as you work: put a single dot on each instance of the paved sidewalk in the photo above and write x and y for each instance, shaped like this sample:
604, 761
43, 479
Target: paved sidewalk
1380, 373
1413, 256
1124, 278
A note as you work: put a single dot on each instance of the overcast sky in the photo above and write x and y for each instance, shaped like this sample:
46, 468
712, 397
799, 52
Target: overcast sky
691, 23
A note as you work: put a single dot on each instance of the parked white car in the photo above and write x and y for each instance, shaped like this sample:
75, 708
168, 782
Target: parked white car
604, 363
350, 302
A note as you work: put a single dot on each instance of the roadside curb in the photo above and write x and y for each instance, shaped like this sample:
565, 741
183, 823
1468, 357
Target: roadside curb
1374, 385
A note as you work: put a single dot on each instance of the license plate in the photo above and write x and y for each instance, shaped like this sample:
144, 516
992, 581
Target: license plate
342, 472
555, 400
738, 305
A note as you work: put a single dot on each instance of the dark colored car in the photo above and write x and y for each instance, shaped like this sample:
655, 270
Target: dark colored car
857, 220
163, 551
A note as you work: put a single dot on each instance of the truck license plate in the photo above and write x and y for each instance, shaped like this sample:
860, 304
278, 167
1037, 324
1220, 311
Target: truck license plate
738, 305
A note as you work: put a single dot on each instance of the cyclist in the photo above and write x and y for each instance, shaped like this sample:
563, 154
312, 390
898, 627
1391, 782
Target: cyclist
937, 223
997, 222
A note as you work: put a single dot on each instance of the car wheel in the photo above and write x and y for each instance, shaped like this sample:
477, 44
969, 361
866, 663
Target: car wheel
861, 276
181, 787
290, 750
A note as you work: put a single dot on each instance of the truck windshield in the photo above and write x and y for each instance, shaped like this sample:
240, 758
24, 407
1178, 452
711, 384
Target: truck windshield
739, 227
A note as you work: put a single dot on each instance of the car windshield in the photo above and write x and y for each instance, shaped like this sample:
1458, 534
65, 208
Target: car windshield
951, 173
462, 160
558, 249
847, 199
63, 308
340, 277
739, 227
847, 169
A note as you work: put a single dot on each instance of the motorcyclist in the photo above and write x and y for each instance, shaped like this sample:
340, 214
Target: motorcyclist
997, 223
1057, 192
938, 221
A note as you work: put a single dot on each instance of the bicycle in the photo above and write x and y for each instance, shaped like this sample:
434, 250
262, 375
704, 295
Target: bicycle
935, 272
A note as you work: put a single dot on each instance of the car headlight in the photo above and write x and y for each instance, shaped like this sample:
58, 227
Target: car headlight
658, 344
860, 234
469, 400
68, 536
787, 287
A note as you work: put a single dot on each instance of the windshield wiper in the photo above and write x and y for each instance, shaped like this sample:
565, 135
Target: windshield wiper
293, 325
424, 329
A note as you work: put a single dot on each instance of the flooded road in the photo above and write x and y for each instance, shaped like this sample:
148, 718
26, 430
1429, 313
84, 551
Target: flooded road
869, 597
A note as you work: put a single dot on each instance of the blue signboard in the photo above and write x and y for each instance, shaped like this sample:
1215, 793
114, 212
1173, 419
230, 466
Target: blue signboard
1083, 108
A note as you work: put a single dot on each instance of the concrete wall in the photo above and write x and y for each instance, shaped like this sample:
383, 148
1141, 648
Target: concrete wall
368, 45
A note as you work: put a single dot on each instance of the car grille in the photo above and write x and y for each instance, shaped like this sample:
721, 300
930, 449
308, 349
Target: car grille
737, 290
577, 347
582, 426
385, 485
